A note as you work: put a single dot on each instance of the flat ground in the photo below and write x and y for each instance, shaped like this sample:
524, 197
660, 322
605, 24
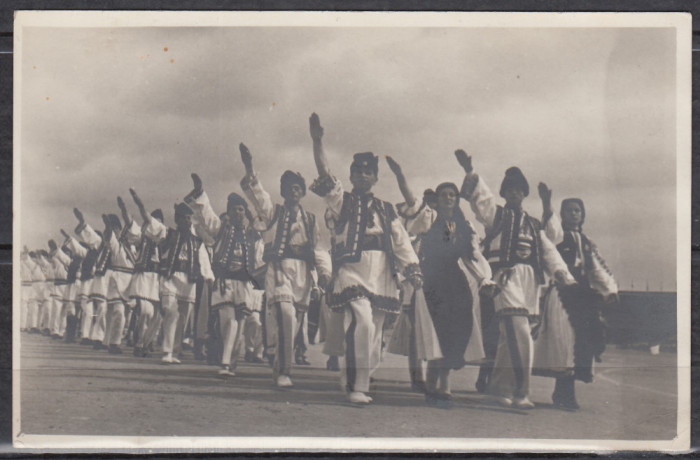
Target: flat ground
72, 389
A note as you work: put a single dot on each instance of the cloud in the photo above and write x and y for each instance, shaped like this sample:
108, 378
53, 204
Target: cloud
589, 111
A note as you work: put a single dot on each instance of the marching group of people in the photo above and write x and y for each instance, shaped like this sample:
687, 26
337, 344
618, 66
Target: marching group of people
523, 300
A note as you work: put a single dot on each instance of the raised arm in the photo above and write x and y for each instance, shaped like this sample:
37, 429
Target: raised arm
319, 155
139, 204
254, 190
154, 230
401, 179
86, 233
132, 231
75, 247
474, 190
550, 221
206, 222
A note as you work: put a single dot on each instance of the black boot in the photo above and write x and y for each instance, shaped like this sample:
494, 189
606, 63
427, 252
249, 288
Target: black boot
71, 328
564, 396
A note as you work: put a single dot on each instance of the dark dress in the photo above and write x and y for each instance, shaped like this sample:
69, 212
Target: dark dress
446, 288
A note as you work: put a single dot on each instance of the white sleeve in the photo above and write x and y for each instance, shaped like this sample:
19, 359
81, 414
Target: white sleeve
132, 232
600, 277
322, 258
554, 230
479, 268
205, 218
155, 230
552, 259
401, 245
61, 257
205, 264
88, 236
483, 203
421, 222
261, 200
77, 248
334, 199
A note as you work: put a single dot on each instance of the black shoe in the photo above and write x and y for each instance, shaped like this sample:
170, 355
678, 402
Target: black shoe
248, 356
34, 330
56, 337
256, 360
99, 346
86, 342
301, 360
138, 352
46, 332
115, 350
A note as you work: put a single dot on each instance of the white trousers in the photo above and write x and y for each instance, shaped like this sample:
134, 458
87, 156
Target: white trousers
231, 335
115, 319
363, 343
97, 332
176, 315
287, 320
88, 315
252, 331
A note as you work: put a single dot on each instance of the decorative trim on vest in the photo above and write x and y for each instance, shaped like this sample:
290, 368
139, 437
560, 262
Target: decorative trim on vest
507, 224
171, 249
279, 248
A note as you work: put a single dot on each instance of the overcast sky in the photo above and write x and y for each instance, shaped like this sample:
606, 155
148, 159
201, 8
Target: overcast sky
591, 112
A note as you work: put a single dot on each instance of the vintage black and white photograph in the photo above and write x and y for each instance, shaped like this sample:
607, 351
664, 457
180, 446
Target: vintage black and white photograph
351, 231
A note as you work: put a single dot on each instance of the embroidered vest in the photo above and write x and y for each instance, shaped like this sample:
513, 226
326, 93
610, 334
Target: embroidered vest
568, 249
352, 222
506, 225
87, 269
175, 241
226, 263
279, 248
102, 259
148, 257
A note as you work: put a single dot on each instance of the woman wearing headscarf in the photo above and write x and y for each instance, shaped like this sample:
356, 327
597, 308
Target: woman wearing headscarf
571, 333
449, 239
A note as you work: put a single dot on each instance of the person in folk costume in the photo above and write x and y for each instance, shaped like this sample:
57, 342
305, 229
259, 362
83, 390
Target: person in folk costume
118, 270
445, 242
37, 294
27, 293
519, 251
183, 259
237, 256
144, 288
44, 310
85, 273
100, 280
571, 334
292, 251
69, 313
371, 246
60, 262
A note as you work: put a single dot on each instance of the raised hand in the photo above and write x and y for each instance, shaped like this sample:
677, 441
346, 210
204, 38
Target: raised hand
315, 127
464, 160
246, 158
545, 193
122, 208
65, 235
136, 198
393, 165
52, 245
79, 215
139, 204
197, 183
106, 221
